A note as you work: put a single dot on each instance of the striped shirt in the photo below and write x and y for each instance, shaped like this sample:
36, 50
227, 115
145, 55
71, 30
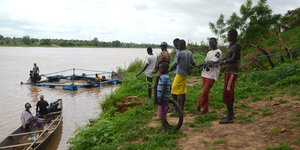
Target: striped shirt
164, 79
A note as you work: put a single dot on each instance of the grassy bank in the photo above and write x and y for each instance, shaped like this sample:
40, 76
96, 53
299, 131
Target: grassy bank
119, 129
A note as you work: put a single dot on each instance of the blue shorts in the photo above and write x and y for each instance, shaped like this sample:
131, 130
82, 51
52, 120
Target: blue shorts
149, 81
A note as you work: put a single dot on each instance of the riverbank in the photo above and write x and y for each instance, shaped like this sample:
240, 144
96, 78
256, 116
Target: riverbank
130, 122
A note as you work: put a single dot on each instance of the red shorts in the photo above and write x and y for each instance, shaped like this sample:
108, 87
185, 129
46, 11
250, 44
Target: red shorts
228, 92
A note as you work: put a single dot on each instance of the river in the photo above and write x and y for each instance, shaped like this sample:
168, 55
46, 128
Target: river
78, 106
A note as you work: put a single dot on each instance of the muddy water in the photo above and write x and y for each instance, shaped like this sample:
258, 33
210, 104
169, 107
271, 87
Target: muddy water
79, 106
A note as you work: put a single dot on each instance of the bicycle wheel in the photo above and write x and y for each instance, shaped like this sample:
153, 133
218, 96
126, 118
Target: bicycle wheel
175, 121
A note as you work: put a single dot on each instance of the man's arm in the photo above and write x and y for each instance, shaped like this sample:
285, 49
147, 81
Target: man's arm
143, 70
234, 56
176, 61
173, 67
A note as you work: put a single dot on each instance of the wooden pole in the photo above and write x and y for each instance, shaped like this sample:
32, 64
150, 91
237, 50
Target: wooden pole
43, 132
25, 133
18, 145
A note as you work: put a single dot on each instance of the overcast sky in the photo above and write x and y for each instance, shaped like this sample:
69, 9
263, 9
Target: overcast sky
139, 21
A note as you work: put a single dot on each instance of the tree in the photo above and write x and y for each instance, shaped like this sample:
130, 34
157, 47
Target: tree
26, 40
219, 28
291, 19
95, 42
1, 37
116, 43
45, 41
255, 24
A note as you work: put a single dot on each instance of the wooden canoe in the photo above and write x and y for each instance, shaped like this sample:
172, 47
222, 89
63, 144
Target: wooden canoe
36, 138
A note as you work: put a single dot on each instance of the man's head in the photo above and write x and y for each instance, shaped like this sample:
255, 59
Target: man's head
42, 97
163, 45
232, 35
175, 41
149, 50
34, 64
96, 75
27, 106
213, 43
163, 67
181, 45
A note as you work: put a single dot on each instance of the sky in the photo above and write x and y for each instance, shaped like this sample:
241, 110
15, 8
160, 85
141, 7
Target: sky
138, 21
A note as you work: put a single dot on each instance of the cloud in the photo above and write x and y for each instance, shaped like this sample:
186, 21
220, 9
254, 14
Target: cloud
139, 21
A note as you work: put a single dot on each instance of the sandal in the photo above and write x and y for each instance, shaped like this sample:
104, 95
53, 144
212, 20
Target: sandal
226, 121
201, 112
227, 116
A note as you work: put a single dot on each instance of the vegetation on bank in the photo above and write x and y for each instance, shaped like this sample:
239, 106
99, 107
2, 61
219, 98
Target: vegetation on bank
26, 41
259, 80
129, 130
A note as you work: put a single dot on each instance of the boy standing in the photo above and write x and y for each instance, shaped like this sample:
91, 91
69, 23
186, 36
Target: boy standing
183, 63
163, 94
231, 64
150, 65
164, 56
209, 75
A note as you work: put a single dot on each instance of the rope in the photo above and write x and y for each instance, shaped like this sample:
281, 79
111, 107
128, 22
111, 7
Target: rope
56, 72
270, 55
92, 70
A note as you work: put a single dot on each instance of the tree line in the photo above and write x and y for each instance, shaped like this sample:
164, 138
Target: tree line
256, 24
28, 41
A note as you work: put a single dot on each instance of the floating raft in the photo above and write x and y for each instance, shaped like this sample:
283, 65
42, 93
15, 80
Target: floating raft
55, 80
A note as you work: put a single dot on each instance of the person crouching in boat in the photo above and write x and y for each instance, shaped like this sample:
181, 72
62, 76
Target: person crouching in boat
97, 78
41, 106
28, 119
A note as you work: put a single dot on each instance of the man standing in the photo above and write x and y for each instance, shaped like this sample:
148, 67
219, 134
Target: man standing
150, 66
164, 56
175, 41
209, 75
41, 106
36, 72
231, 63
183, 63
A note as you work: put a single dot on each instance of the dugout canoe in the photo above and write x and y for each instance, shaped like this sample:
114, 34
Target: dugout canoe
38, 137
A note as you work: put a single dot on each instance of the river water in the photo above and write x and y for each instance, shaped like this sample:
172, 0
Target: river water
78, 106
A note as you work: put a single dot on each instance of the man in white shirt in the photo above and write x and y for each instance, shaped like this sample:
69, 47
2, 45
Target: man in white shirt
209, 75
150, 66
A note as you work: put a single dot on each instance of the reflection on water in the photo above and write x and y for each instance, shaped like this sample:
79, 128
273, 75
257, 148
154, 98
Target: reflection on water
55, 138
78, 106
34, 93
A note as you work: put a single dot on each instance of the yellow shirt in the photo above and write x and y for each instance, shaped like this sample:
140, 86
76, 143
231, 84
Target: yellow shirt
97, 78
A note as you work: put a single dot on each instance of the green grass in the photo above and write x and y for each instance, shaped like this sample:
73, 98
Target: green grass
220, 141
129, 130
246, 119
282, 146
282, 101
274, 131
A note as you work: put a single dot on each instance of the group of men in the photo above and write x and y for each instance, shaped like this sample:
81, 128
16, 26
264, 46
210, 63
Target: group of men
183, 63
27, 117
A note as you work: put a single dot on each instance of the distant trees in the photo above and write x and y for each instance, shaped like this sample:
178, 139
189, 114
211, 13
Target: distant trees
26, 40
116, 43
45, 41
95, 42
61, 42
